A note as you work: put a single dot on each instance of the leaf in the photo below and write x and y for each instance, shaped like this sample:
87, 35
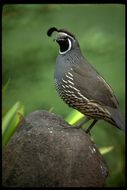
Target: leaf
4, 88
73, 117
4, 92
51, 109
11, 121
105, 150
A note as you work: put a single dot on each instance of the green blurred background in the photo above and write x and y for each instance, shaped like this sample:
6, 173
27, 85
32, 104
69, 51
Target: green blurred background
28, 59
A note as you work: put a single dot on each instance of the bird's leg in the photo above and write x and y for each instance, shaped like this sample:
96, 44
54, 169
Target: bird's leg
90, 127
80, 124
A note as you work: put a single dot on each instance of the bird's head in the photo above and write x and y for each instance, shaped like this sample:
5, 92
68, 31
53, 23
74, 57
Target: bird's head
65, 39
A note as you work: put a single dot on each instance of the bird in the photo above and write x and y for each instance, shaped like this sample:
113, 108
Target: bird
80, 85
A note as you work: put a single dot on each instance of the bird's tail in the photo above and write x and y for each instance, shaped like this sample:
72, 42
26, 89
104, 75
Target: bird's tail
118, 118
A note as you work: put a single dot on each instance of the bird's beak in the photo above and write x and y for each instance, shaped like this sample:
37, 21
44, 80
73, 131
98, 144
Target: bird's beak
55, 36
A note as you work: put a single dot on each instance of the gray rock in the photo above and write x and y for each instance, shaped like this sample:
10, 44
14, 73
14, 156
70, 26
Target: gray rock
46, 152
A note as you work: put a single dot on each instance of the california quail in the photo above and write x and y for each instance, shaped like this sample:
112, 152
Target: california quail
80, 85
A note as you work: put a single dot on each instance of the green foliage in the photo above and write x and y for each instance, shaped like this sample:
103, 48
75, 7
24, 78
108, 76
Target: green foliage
28, 57
105, 150
11, 121
74, 117
10, 118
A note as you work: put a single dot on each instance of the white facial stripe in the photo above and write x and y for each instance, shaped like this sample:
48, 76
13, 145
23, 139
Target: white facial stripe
64, 34
67, 49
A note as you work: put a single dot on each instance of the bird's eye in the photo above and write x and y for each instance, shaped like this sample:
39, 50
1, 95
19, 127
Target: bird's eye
66, 37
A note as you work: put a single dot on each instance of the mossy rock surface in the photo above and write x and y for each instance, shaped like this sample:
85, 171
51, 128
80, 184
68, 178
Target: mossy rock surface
46, 152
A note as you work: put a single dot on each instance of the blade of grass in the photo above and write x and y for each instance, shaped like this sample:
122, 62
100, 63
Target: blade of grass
12, 126
4, 88
105, 150
9, 116
74, 117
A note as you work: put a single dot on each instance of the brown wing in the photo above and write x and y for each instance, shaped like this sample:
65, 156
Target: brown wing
93, 86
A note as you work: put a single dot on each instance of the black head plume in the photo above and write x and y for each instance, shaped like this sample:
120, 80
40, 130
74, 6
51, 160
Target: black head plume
51, 30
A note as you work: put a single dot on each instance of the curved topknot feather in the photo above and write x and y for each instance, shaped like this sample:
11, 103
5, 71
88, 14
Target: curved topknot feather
51, 30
